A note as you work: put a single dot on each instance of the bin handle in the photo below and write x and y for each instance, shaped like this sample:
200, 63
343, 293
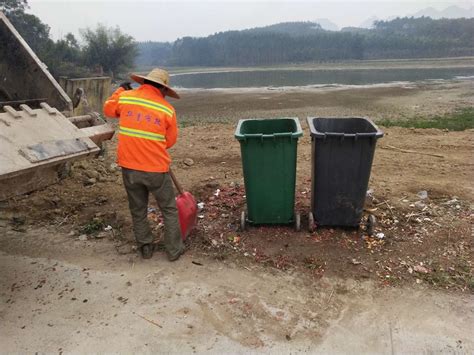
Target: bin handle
284, 134
253, 135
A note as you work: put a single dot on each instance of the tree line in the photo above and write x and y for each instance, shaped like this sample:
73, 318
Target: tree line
108, 51
102, 51
299, 42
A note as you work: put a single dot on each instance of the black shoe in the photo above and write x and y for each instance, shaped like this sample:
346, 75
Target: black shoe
147, 251
175, 257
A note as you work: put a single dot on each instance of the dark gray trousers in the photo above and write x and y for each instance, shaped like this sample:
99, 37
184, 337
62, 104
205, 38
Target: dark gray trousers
139, 184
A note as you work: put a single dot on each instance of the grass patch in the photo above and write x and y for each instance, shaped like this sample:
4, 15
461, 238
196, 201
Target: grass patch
93, 226
459, 120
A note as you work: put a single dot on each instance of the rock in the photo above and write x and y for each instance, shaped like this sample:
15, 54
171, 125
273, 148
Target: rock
188, 162
101, 235
212, 184
83, 237
90, 181
102, 178
423, 195
72, 233
81, 165
102, 199
420, 269
113, 167
92, 174
18, 220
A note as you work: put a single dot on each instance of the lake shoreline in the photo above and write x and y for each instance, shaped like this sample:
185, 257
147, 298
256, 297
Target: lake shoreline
455, 62
329, 87
198, 107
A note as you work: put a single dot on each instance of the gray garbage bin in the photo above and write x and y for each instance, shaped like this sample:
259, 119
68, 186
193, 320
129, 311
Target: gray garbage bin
342, 154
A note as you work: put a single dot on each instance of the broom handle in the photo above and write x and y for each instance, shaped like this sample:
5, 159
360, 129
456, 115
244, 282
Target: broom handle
176, 183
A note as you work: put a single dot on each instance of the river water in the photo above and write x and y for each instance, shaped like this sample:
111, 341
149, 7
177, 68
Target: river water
316, 77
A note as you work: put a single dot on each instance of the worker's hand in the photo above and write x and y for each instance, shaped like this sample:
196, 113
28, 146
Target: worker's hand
126, 85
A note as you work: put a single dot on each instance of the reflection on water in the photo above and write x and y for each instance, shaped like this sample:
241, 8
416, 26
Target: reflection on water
279, 78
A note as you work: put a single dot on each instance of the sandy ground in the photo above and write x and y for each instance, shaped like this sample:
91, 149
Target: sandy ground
58, 296
59, 293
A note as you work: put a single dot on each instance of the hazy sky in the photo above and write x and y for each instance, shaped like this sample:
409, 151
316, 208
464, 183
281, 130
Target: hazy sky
169, 20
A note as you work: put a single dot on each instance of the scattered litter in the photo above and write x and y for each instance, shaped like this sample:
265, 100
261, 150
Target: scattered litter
356, 262
451, 202
83, 237
380, 235
196, 263
148, 320
151, 209
420, 269
200, 205
423, 195
108, 228
201, 216
217, 193
420, 205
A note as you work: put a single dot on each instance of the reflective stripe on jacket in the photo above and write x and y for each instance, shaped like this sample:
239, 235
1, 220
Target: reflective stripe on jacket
147, 128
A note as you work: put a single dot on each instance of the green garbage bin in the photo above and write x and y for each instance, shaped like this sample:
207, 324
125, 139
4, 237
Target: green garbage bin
268, 148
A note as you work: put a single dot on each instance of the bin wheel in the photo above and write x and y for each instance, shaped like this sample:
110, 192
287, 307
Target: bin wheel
371, 224
242, 221
297, 221
311, 224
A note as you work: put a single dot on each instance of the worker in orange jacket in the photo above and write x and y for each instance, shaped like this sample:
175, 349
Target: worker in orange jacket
147, 128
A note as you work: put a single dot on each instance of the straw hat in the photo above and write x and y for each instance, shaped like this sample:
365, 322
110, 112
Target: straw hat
158, 76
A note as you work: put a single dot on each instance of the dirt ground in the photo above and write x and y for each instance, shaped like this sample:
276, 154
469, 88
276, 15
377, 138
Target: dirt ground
71, 274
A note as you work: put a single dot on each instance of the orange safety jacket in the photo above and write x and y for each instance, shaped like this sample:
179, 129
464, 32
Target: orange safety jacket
147, 128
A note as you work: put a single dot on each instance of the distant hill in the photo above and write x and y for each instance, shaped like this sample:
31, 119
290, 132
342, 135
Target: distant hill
449, 12
327, 24
300, 42
289, 28
369, 23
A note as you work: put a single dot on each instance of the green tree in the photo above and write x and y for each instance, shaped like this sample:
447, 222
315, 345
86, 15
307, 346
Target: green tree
108, 49
30, 27
8, 6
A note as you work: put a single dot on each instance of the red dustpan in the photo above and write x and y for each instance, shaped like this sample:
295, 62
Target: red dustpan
187, 208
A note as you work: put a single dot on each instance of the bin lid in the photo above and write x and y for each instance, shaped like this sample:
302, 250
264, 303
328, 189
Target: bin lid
344, 127
262, 128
